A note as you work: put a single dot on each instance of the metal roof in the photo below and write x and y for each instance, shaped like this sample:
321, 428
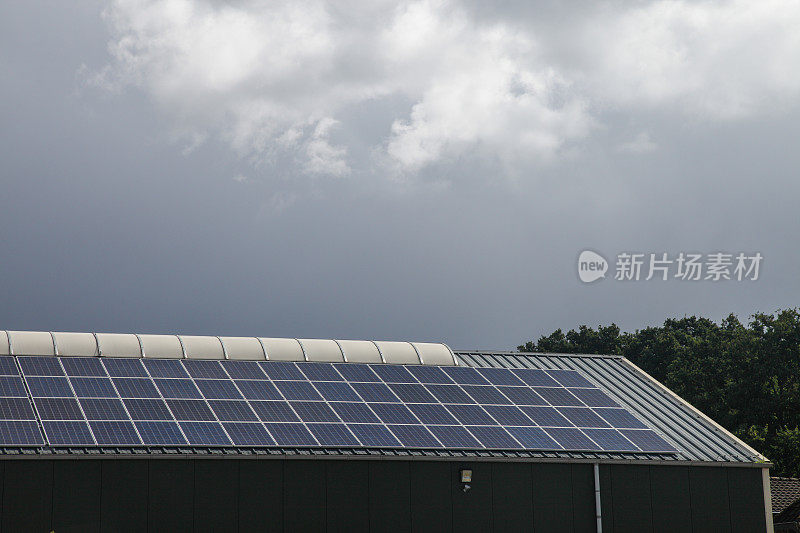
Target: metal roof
696, 436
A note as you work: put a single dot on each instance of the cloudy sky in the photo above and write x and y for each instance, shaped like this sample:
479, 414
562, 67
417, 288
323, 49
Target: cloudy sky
424, 170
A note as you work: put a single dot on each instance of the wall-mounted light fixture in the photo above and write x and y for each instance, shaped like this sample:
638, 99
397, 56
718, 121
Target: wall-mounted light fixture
466, 479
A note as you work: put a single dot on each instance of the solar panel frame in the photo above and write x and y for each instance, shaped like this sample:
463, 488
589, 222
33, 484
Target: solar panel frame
408, 406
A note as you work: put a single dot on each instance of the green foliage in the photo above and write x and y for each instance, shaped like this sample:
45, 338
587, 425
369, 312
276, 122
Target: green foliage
744, 376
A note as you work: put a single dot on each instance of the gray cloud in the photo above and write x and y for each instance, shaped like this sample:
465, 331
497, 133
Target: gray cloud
384, 199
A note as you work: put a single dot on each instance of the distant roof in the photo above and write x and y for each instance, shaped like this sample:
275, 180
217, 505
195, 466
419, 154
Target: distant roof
697, 437
785, 491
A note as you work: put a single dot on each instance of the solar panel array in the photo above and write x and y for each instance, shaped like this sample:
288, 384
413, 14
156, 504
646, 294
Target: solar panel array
85, 401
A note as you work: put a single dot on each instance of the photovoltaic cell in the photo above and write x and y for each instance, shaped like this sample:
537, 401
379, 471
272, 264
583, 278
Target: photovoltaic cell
470, 414
258, 390
177, 388
319, 372
65, 433
546, 416
314, 412
486, 395
508, 415
354, 412
16, 409
354, 372
500, 376
47, 386
412, 393
432, 413
534, 377
103, 409
218, 389
494, 437
570, 378
450, 394
297, 390
594, 397
464, 375
204, 369
394, 413
647, 440
609, 439
454, 437
12, 386
114, 432
429, 374
282, 370
557, 397
93, 388
620, 418
232, 411
291, 434
533, 438
583, 417
333, 435
20, 433
393, 374
243, 369
8, 367
374, 435
40, 366
248, 434
83, 366
124, 368
522, 396
375, 392
135, 388
165, 368
190, 410
160, 433
147, 409
414, 436
58, 408
572, 439
205, 433
274, 411
336, 391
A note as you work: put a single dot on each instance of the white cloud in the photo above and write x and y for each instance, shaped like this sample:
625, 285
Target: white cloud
271, 78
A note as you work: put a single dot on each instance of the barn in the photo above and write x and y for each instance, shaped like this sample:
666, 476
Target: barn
125, 432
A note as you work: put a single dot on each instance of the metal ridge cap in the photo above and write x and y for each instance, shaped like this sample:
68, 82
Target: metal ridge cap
509, 353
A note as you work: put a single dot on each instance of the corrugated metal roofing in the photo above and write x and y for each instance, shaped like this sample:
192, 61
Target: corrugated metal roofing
697, 437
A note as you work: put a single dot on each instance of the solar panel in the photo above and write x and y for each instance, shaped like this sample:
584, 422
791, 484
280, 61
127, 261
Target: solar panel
83, 366
164, 402
165, 368
354, 412
248, 434
243, 369
374, 435
8, 366
205, 433
114, 432
412, 436
494, 437
160, 433
16, 409
333, 435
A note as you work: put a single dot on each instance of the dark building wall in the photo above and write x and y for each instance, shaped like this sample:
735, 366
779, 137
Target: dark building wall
348, 495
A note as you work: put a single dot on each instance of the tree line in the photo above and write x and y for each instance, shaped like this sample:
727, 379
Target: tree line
746, 376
